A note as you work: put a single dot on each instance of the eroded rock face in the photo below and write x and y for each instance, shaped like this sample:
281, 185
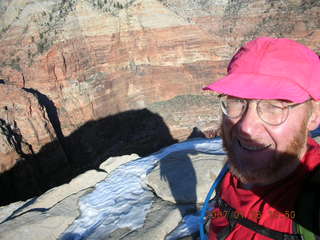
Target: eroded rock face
25, 126
24, 129
88, 61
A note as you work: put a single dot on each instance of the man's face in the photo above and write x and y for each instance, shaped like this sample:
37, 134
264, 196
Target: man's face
261, 154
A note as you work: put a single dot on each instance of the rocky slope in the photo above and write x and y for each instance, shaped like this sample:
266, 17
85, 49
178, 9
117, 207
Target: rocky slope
78, 76
50, 215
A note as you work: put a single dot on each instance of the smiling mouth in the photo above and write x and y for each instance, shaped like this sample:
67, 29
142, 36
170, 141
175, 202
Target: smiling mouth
253, 148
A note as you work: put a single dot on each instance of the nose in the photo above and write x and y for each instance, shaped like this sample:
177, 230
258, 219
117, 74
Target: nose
250, 123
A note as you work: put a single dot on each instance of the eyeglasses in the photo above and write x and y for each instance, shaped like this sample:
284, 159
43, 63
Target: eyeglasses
272, 112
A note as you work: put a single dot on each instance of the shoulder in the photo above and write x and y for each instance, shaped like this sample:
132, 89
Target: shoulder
311, 159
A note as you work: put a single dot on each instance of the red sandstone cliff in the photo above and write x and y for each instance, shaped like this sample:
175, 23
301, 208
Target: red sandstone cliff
68, 68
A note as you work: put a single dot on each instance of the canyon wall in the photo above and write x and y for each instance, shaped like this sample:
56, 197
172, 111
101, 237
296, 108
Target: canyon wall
83, 80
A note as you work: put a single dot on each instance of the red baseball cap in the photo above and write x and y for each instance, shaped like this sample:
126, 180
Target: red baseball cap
272, 68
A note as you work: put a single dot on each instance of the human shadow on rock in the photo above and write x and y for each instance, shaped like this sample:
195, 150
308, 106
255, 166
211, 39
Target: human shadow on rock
177, 170
136, 131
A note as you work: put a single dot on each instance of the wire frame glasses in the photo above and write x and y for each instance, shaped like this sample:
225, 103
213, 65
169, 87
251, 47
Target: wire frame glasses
272, 112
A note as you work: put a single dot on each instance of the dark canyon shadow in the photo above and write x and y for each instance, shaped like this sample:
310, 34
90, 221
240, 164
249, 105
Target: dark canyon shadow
51, 110
137, 131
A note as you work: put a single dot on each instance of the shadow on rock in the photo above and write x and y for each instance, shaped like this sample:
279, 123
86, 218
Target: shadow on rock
136, 131
178, 171
72, 236
182, 182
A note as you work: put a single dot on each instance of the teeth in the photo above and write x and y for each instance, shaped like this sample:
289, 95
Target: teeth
253, 148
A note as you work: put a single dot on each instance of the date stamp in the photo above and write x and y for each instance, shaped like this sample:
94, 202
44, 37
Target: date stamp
291, 214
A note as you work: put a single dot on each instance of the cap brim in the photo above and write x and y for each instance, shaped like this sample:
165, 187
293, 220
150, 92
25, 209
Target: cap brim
253, 86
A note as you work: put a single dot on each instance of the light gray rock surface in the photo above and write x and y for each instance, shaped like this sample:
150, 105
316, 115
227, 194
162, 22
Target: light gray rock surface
49, 215
185, 176
162, 218
114, 162
42, 223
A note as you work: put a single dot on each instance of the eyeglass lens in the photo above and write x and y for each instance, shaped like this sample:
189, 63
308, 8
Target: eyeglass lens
273, 112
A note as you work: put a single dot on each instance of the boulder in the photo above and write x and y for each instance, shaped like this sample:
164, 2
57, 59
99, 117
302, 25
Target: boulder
49, 215
185, 176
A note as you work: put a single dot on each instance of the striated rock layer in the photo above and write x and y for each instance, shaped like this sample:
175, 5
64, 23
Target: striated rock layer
91, 70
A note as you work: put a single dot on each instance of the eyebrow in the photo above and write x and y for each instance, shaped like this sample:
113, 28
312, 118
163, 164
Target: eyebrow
248, 99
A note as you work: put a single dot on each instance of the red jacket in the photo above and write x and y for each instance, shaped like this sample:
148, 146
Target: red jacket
270, 206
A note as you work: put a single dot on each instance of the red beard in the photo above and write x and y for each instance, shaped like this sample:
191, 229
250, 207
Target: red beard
275, 169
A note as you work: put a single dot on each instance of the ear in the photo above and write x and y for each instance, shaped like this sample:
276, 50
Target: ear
314, 119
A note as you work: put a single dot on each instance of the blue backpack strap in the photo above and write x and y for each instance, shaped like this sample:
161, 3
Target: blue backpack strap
204, 209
